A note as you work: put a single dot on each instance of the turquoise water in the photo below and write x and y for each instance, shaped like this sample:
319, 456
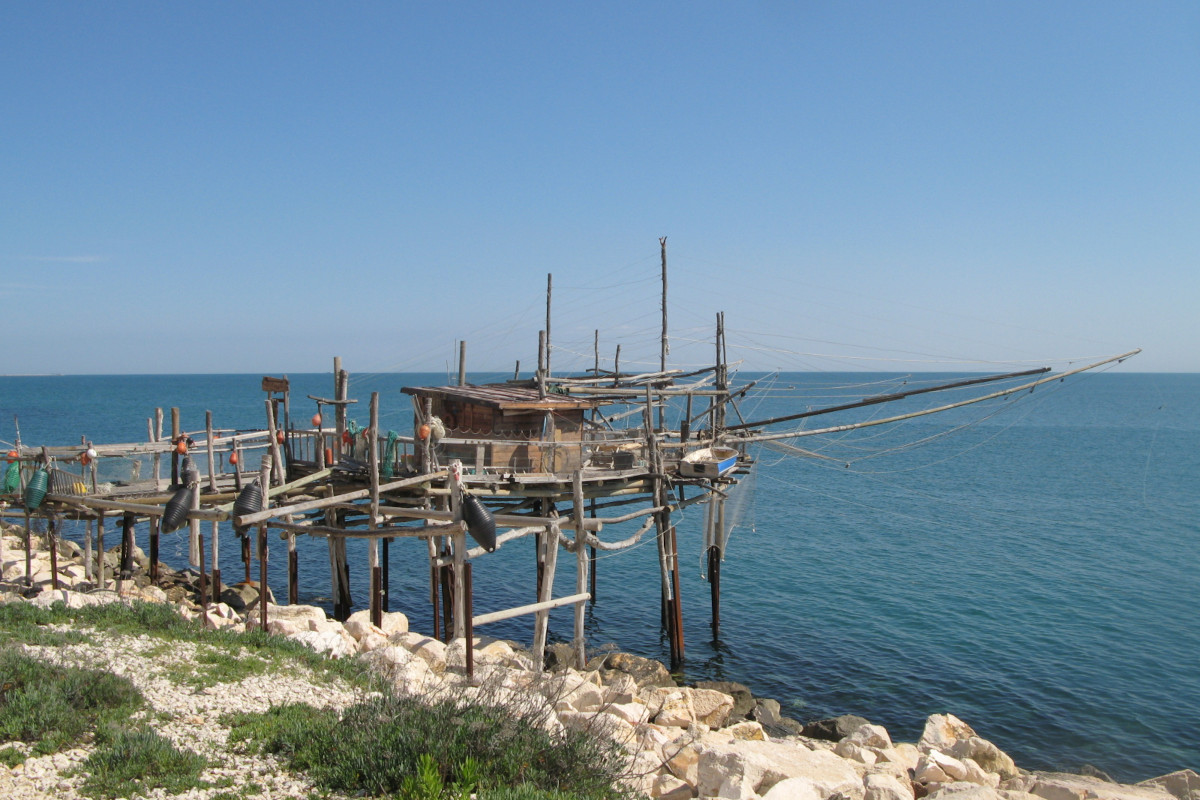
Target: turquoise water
1029, 566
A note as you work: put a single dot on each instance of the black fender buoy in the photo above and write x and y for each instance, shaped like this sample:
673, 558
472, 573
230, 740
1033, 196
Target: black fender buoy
248, 501
480, 523
175, 514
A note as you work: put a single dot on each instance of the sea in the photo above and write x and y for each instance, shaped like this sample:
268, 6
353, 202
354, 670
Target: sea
1029, 564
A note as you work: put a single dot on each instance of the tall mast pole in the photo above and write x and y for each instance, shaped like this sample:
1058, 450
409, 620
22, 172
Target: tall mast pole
662, 241
549, 288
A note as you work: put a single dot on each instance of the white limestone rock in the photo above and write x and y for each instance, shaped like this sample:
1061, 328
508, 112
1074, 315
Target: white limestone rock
668, 787
428, 648
882, 786
855, 752
987, 755
359, 625
754, 767
793, 789
1058, 786
874, 736
683, 706
941, 731
336, 644
1183, 784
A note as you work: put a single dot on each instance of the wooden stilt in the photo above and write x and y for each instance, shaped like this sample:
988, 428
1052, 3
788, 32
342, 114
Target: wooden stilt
156, 436
127, 523
469, 631
264, 477
52, 543
176, 432
216, 568
376, 604
212, 460
581, 569
293, 571
541, 622
447, 584
155, 523
28, 551
385, 577
203, 580
89, 569
100, 570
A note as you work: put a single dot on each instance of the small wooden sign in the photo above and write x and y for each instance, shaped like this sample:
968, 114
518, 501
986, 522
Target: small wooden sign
274, 384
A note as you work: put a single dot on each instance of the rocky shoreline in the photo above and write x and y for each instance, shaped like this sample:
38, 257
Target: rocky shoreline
708, 740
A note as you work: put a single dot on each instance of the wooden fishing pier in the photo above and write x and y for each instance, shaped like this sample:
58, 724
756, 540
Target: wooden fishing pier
564, 460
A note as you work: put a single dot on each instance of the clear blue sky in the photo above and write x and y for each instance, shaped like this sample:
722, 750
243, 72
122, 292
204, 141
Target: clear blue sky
257, 187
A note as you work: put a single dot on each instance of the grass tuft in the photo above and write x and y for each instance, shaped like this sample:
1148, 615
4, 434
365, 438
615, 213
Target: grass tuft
53, 707
391, 744
136, 761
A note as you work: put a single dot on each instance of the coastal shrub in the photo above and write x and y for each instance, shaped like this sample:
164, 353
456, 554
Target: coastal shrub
137, 761
22, 622
52, 706
28, 624
378, 747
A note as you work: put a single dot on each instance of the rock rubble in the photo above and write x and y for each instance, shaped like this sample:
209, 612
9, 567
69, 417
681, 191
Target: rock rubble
708, 741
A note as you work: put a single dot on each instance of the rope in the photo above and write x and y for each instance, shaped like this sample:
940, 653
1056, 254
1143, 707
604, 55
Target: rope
389, 454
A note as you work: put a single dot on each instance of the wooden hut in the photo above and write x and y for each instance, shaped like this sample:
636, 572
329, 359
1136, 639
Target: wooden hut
506, 428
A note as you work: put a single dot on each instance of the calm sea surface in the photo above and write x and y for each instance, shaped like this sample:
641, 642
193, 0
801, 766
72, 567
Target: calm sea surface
1030, 567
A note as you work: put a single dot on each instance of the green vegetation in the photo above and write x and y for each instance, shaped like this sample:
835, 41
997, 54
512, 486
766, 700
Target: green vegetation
390, 744
212, 666
129, 761
489, 744
52, 707
255, 651
21, 622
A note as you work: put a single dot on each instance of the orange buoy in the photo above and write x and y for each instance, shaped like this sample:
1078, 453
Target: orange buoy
84, 458
12, 456
316, 420
328, 456
181, 447
233, 459
346, 438
423, 432
279, 437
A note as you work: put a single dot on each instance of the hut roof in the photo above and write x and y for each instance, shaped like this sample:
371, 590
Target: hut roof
503, 396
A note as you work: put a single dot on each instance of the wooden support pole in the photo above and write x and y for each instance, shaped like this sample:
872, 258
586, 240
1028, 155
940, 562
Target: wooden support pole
237, 468
541, 622
469, 621
176, 432
462, 363
52, 543
581, 569
212, 459
276, 459
100, 570
157, 437
89, 568
264, 475
549, 289
194, 544
28, 551
127, 522
372, 523
203, 579
386, 578
293, 570
435, 587
155, 526
216, 564
541, 372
